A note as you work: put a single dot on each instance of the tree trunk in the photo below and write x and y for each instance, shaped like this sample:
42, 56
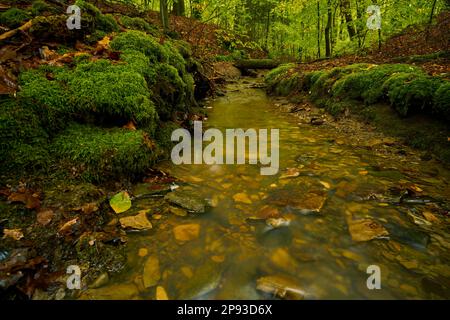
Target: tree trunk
328, 31
432, 11
318, 29
164, 13
347, 12
179, 8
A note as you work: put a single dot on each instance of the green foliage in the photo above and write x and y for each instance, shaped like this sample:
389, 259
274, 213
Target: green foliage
138, 24
13, 18
142, 42
99, 154
441, 101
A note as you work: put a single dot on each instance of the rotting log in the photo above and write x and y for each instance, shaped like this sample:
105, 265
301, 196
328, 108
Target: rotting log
257, 64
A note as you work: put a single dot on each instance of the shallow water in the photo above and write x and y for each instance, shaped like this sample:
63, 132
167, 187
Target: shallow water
236, 247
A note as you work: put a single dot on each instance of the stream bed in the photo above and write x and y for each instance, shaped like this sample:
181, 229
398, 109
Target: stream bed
309, 232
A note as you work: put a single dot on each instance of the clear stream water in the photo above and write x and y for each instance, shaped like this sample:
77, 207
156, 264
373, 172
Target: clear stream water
315, 252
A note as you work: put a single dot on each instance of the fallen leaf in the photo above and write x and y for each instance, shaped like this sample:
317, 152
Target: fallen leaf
45, 216
130, 126
31, 201
363, 172
325, 184
242, 198
102, 45
290, 173
88, 208
120, 202
68, 226
15, 234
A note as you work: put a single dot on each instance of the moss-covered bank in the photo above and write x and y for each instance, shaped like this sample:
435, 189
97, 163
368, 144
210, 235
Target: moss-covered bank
70, 116
362, 87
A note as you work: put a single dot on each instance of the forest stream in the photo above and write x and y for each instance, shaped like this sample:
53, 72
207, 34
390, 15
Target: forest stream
311, 231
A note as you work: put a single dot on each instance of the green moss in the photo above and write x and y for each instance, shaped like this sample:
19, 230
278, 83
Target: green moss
99, 154
169, 90
409, 93
13, 18
47, 98
39, 7
107, 23
142, 42
137, 24
23, 140
366, 84
277, 73
113, 92
441, 100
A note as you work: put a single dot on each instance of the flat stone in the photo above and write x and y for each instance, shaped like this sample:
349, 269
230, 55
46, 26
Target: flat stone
366, 230
186, 232
186, 201
137, 222
151, 274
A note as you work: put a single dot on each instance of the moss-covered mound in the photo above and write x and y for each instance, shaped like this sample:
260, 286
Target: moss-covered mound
75, 112
97, 154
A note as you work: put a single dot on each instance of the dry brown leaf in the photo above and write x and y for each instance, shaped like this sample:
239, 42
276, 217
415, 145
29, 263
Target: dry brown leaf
130, 126
45, 216
68, 225
15, 234
31, 201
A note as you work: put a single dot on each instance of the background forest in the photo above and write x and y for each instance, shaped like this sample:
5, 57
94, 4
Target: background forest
301, 29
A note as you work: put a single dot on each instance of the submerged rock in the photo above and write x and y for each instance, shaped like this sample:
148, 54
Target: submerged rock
137, 222
186, 232
366, 229
409, 236
114, 292
280, 286
152, 273
206, 279
186, 201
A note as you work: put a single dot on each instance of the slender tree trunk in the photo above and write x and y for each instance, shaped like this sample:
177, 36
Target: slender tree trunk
179, 8
347, 12
432, 11
164, 13
318, 29
328, 31
267, 29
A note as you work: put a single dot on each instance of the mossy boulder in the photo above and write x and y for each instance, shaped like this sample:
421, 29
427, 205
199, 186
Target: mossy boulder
111, 93
98, 154
411, 93
14, 17
136, 23
441, 100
